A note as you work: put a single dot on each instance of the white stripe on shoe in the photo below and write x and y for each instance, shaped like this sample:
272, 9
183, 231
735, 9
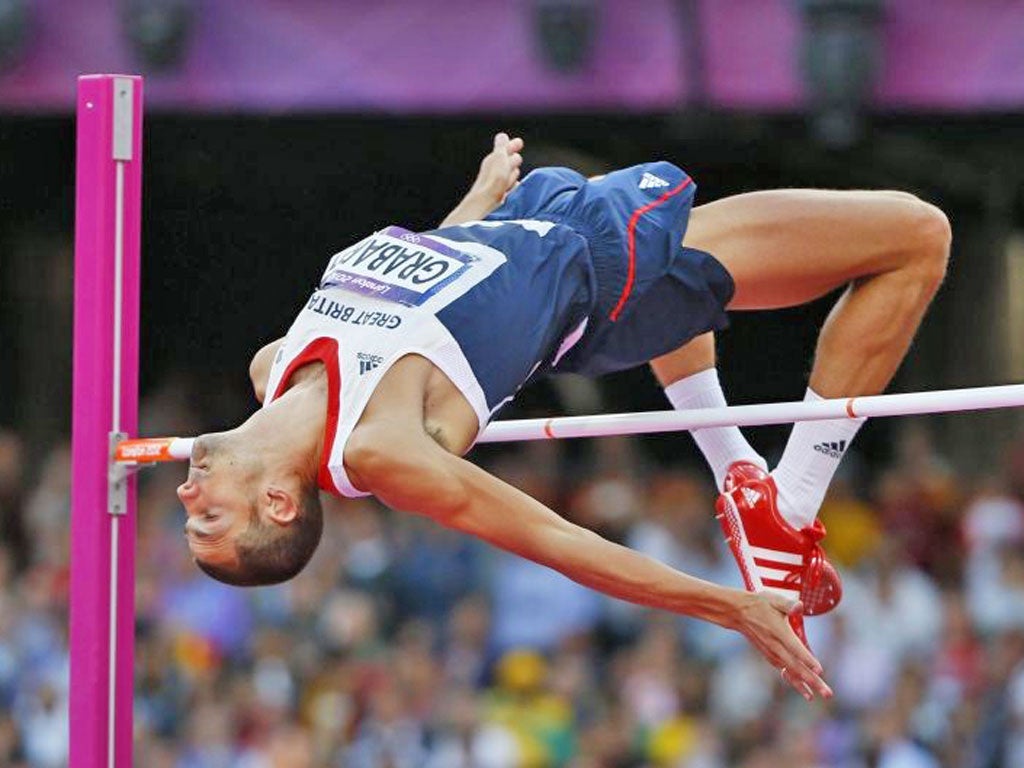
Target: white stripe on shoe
775, 574
776, 556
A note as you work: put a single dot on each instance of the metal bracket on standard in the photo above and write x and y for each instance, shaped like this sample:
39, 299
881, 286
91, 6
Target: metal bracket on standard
117, 479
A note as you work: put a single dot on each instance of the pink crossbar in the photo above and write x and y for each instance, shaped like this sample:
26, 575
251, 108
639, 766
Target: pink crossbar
108, 193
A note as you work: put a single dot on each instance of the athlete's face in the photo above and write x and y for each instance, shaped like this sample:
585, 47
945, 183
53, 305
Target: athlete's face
217, 501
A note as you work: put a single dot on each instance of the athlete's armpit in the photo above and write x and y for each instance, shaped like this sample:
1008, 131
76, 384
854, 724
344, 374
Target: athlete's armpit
438, 436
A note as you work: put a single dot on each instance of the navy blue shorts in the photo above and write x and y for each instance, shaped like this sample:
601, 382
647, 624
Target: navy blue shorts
652, 294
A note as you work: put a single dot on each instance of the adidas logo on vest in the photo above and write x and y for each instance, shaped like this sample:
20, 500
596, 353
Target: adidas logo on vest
650, 181
835, 450
368, 362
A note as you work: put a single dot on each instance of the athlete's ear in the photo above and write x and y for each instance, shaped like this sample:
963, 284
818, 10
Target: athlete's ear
282, 507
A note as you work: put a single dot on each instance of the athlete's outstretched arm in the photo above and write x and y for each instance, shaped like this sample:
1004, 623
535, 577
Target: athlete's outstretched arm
410, 472
499, 173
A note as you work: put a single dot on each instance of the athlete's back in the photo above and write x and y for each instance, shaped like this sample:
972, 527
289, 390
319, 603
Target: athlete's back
487, 303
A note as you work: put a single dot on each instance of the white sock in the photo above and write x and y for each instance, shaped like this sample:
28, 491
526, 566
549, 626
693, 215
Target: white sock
721, 446
810, 460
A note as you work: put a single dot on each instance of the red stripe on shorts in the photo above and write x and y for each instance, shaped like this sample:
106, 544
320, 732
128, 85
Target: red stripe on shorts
631, 239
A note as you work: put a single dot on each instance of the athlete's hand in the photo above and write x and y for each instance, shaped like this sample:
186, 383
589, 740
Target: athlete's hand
499, 170
762, 617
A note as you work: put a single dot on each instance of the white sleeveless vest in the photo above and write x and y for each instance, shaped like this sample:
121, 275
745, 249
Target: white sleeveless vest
354, 325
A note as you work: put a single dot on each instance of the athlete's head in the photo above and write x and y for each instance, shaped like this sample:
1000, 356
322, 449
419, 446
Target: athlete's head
248, 523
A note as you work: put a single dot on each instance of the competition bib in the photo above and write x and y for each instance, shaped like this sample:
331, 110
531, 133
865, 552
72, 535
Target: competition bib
397, 265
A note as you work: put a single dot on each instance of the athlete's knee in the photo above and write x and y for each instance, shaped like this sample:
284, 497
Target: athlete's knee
925, 237
934, 236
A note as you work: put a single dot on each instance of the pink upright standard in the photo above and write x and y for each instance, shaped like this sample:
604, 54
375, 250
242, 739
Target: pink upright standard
108, 196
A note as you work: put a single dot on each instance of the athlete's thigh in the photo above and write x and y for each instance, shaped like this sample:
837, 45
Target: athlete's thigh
787, 247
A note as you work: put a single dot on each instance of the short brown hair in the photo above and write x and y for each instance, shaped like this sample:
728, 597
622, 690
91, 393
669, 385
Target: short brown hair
268, 556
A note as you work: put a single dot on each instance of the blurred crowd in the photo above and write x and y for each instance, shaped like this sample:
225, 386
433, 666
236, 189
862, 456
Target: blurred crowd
404, 645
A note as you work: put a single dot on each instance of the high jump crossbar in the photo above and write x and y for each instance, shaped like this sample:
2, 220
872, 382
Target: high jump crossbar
158, 449
108, 196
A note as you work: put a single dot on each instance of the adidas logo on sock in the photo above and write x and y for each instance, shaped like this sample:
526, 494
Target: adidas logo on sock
649, 181
835, 450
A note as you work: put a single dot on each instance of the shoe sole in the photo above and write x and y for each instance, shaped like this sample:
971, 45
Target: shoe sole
736, 538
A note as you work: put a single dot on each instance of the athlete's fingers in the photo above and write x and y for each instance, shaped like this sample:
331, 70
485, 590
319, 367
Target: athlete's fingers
792, 682
801, 676
798, 652
500, 140
801, 652
781, 646
803, 679
515, 145
797, 685
805, 682
800, 660
804, 656
515, 159
792, 607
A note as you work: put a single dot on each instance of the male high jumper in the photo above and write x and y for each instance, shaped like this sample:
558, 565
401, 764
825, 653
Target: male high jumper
411, 343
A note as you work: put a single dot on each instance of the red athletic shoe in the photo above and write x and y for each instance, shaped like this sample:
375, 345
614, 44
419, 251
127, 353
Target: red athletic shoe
771, 553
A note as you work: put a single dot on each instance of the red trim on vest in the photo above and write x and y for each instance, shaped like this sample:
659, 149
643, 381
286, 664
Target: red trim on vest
631, 239
324, 350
